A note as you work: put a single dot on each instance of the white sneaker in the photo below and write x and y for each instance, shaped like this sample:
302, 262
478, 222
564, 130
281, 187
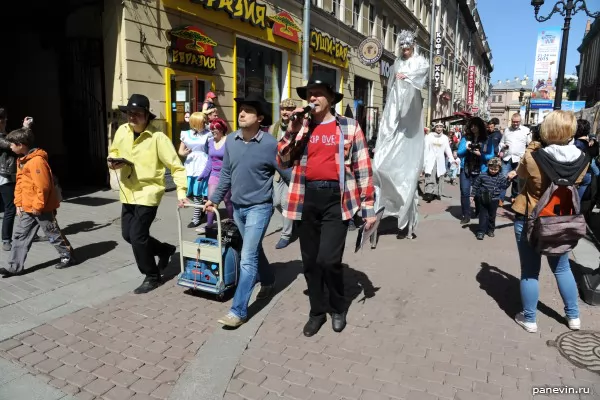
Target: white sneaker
574, 324
530, 327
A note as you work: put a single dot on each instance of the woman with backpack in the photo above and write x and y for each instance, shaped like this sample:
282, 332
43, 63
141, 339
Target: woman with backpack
474, 152
543, 164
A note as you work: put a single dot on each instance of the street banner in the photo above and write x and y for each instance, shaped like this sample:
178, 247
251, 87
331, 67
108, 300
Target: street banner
441, 99
471, 85
546, 63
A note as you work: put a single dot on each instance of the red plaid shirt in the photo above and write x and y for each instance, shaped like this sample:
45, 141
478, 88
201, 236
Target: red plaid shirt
358, 190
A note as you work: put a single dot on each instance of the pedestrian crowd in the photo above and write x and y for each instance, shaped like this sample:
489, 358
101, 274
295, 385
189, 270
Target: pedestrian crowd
313, 166
521, 169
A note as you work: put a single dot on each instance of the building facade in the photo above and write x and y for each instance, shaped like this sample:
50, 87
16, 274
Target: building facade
508, 97
588, 69
97, 53
461, 62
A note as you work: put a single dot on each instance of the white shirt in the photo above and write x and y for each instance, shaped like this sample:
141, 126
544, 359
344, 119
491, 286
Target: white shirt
517, 141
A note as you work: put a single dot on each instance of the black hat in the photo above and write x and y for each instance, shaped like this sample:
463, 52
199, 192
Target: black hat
262, 107
320, 79
138, 101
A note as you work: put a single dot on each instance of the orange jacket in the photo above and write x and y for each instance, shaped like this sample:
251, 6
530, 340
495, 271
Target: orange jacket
35, 186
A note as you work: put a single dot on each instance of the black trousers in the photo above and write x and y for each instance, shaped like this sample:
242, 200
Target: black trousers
135, 227
322, 234
487, 216
7, 192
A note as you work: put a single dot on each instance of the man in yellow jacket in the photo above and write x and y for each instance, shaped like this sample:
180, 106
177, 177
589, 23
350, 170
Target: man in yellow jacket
142, 154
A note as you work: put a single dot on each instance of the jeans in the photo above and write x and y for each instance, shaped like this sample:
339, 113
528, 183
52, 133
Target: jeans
466, 181
487, 216
252, 221
322, 233
7, 193
135, 228
280, 195
530, 270
508, 166
585, 183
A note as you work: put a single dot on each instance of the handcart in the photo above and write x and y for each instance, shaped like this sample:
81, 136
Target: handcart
206, 263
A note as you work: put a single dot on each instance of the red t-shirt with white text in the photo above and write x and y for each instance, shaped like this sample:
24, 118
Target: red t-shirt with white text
322, 148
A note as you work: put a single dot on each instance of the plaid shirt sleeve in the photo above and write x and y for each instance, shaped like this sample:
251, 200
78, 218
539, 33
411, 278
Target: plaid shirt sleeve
291, 147
363, 173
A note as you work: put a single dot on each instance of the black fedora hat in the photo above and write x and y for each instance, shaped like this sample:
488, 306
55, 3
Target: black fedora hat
320, 79
138, 101
262, 107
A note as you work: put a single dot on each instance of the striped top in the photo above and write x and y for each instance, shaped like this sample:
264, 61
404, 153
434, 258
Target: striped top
494, 184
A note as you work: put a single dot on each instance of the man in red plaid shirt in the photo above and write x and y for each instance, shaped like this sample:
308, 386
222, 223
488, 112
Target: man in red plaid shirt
331, 180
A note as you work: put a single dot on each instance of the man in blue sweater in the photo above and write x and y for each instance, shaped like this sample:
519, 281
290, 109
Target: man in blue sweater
248, 168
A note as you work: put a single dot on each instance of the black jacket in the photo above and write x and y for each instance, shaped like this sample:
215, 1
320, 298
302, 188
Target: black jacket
8, 159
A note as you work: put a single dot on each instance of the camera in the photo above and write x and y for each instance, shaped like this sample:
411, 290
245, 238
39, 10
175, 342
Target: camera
474, 146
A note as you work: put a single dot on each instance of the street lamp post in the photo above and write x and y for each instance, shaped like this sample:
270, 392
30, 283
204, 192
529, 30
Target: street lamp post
567, 9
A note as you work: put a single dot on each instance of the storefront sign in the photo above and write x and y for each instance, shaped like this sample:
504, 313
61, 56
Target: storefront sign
385, 68
320, 42
285, 27
438, 60
471, 85
370, 51
191, 47
246, 10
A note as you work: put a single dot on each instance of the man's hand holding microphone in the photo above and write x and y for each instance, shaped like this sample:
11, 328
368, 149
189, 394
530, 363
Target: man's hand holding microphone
297, 118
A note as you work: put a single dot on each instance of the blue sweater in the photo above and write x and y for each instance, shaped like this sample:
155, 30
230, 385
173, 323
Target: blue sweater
247, 170
487, 153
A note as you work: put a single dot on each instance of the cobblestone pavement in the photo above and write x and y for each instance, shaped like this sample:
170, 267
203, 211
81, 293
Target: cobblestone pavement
430, 319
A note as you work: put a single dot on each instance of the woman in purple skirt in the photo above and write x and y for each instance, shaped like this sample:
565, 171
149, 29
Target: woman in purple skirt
216, 152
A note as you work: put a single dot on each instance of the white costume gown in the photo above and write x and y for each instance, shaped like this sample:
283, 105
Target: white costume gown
399, 151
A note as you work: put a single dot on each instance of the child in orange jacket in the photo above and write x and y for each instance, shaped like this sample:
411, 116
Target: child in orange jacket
36, 200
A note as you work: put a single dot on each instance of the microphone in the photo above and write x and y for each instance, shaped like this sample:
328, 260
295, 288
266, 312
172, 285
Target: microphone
304, 111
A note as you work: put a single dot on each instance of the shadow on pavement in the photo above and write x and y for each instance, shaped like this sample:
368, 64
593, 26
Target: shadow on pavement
91, 201
82, 253
504, 288
355, 283
455, 211
83, 226
285, 274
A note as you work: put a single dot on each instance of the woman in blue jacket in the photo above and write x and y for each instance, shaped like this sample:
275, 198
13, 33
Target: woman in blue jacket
474, 150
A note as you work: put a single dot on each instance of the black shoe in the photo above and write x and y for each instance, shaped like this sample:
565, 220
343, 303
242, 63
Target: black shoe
338, 321
465, 221
313, 325
66, 262
490, 234
148, 285
193, 224
163, 261
479, 236
7, 274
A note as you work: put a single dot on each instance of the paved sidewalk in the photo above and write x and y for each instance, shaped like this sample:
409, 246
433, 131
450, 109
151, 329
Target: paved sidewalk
430, 319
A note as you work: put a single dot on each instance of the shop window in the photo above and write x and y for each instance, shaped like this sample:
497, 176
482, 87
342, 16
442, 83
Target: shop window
332, 75
335, 8
259, 70
372, 21
187, 96
356, 14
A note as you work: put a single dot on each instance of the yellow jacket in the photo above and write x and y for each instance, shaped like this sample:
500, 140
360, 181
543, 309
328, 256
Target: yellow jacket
152, 152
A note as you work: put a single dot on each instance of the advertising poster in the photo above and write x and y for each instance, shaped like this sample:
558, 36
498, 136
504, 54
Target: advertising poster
546, 63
